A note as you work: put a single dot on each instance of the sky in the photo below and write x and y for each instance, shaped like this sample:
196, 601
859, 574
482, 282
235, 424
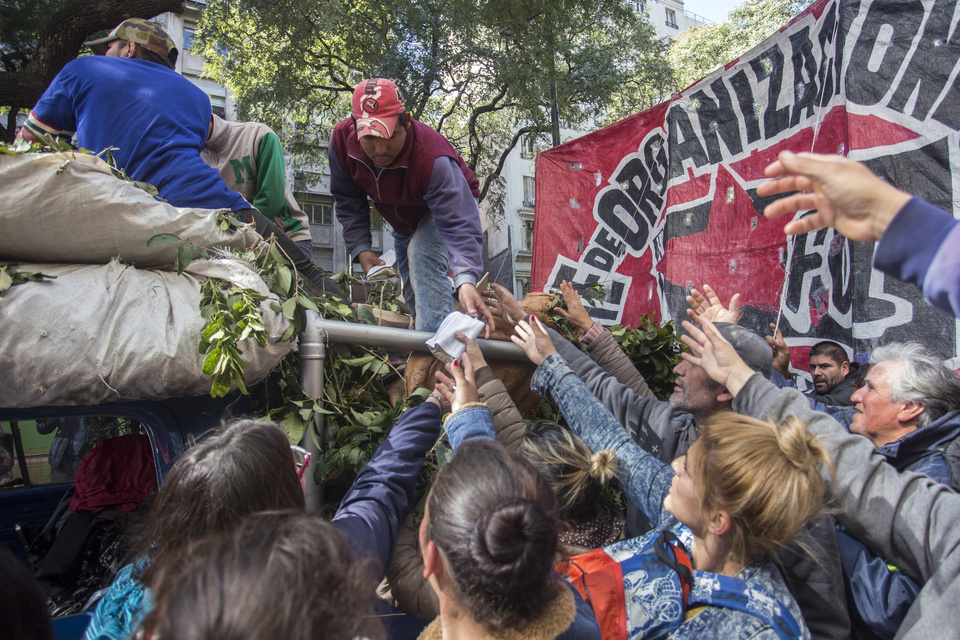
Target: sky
715, 10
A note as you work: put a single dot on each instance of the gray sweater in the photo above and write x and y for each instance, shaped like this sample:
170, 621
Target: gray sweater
909, 519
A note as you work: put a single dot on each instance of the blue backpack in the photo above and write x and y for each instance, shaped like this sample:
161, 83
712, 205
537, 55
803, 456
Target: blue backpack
642, 588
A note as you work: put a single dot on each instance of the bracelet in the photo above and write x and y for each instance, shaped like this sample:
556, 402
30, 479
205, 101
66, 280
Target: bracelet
434, 394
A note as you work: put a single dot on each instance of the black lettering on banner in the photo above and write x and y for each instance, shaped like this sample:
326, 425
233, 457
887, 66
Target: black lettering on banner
829, 75
804, 93
656, 164
769, 64
680, 127
839, 262
744, 90
718, 118
599, 259
603, 239
614, 207
635, 181
866, 87
930, 66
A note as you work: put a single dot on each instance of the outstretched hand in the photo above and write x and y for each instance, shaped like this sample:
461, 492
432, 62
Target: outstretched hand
709, 307
845, 194
781, 352
503, 304
472, 349
711, 351
534, 340
575, 313
473, 305
459, 388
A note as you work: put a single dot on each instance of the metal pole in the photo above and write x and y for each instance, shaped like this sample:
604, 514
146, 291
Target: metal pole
313, 350
401, 339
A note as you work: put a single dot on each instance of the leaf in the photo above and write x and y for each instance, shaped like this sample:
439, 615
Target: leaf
184, 257
294, 427
162, 239
289, 308
307, 303
5, 280
284, 278
366, 315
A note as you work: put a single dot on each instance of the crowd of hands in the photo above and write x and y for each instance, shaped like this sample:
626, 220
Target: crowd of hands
840, 193
708, 348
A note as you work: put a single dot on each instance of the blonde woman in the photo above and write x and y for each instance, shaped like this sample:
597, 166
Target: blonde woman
741, 492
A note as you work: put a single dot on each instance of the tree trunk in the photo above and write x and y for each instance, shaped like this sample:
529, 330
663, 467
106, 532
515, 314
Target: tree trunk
62, 38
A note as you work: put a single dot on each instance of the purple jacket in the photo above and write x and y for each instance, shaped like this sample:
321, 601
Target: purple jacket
922, 246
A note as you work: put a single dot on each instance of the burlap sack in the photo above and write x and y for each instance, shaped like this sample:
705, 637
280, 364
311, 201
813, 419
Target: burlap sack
115, 333
69, 208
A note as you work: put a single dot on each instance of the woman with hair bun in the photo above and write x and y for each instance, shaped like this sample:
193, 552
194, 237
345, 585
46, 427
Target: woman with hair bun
577, 477
490, 536
741, 492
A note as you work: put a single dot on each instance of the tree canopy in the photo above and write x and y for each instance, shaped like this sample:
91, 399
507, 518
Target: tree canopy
480, 73
697, 52
38, 37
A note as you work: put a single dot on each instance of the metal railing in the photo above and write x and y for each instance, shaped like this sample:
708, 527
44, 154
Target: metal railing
313, 350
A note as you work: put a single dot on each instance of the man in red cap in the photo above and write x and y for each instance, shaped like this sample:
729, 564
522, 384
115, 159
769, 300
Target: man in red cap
423, 188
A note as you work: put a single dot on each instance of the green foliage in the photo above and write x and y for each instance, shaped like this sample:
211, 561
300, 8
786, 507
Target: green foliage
478, 73
654, 350
232, 314
9, 276
697, 52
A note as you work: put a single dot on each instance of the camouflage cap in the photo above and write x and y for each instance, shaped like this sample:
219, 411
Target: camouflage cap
146, 33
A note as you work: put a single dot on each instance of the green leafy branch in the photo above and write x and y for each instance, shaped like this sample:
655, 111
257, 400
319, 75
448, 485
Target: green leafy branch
230, 320
10, 277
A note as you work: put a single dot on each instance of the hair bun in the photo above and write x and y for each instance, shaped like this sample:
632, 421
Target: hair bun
515, 538
603, 466
801, 447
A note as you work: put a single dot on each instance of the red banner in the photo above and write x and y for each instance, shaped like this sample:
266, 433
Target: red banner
665, 200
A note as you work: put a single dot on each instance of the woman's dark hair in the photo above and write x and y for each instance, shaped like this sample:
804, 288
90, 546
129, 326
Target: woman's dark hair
243, 468
24, 614
575, 474
495, 519
279, 575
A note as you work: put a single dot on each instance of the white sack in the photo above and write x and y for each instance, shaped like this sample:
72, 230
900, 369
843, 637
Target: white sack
114, 333
68, 207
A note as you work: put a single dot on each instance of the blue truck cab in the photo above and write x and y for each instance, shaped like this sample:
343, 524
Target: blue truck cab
31, 489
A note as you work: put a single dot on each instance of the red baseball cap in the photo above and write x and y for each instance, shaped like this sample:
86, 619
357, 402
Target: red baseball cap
376, 104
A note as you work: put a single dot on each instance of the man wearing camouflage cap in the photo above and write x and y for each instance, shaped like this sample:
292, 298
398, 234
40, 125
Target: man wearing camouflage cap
133, 100
137, 38
156, 121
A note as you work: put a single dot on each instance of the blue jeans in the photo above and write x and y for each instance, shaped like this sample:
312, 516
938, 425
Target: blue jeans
422, 261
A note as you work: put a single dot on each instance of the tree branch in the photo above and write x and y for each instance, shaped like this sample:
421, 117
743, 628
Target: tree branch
62, 38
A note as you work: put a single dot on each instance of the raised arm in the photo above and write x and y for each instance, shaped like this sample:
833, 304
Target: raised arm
382, 495
644, 479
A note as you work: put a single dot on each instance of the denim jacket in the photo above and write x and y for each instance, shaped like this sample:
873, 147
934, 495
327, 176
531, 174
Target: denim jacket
646, 481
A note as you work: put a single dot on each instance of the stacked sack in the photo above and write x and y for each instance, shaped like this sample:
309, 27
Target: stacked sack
117, 323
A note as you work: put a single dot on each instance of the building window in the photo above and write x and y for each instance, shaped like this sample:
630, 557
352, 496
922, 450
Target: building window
319, 209
672, 18
527, 240
219, 106
188, 34
528, 145
307, 181
641, 6
529, 191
